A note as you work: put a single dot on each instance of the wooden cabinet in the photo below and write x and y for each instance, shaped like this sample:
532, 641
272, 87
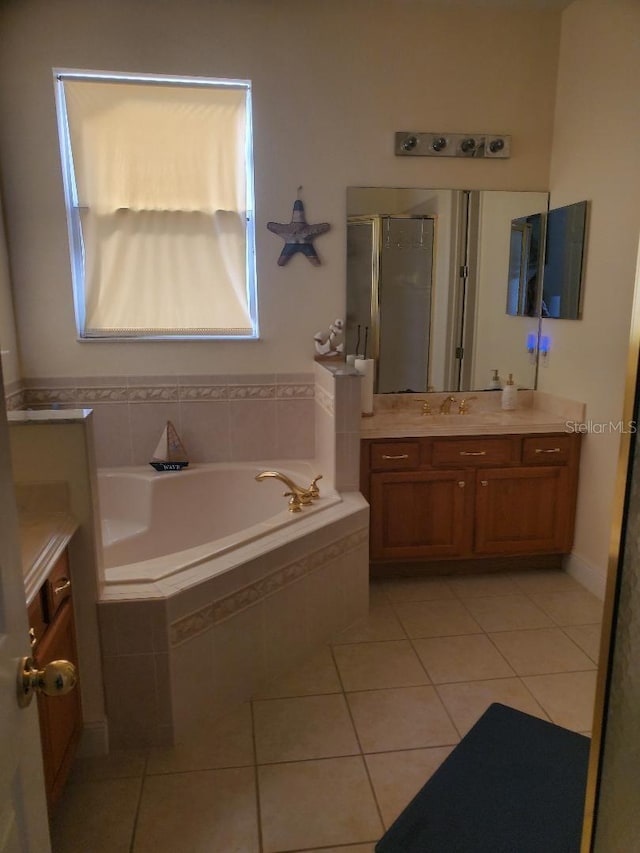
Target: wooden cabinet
419, 514
52, 630
462, 499
523, 511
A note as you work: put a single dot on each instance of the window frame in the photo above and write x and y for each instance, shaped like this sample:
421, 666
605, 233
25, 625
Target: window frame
74, 228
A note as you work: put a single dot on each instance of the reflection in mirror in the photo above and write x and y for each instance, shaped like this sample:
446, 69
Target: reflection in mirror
524, 266
562, 278
425, 279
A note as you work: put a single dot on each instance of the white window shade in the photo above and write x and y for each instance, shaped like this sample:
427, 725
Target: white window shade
161, 190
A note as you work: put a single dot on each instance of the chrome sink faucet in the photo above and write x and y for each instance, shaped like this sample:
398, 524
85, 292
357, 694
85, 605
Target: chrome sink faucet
445, 405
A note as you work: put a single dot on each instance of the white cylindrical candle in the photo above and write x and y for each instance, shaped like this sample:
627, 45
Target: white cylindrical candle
366, 366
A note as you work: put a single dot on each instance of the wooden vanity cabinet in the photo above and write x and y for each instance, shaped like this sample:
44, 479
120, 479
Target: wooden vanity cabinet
419, 514
465, 498
53, 629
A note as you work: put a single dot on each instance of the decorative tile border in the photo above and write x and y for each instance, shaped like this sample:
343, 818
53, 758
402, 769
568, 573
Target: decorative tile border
45, 392
195, 393
202, 620
101, 395
252, 392
14, 401
153, 394
48, 396
325, 400
296, 392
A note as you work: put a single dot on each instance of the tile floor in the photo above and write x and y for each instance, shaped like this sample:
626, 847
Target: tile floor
327, 757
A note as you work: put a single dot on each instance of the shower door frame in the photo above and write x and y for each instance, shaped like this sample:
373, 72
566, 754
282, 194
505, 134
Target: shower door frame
375, 220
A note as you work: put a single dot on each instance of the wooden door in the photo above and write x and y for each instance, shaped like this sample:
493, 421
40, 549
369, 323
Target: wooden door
420, 514
23, 813
523, 511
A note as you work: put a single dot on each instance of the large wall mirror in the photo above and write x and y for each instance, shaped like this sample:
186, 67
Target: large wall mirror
427, 273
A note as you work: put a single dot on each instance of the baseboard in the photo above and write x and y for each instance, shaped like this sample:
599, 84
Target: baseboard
94, 739
474, 565
591, 577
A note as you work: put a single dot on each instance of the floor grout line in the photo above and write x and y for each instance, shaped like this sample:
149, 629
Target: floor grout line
392, 607
256, 780
134, 829
358, 741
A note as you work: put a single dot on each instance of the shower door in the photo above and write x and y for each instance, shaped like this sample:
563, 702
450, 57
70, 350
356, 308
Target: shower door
390, 260
363, 256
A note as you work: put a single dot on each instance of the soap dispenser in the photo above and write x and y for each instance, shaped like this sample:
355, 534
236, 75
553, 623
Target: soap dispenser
495, 384
509, 395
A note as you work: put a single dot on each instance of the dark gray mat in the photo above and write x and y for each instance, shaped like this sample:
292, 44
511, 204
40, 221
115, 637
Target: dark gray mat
514, 784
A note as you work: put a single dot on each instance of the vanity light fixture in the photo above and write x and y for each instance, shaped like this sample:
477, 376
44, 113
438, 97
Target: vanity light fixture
532, 345
409, 143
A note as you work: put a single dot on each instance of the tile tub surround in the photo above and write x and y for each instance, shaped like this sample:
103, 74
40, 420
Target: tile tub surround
14, 396
185, 650
337, 424
220, 418
318, 584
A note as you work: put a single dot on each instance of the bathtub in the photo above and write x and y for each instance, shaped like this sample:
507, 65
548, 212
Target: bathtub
211, 588
155, 525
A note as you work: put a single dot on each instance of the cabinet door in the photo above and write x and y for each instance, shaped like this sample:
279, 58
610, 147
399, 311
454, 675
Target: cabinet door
420, 514
523, 511
60, 716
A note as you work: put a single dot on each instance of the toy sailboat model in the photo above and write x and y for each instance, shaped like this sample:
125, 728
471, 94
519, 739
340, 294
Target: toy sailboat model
170, 454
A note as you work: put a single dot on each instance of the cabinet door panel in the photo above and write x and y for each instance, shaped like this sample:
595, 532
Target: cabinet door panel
523, 511
419, 514
60, 716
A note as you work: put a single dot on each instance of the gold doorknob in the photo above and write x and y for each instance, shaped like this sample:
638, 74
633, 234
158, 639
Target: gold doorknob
56, 679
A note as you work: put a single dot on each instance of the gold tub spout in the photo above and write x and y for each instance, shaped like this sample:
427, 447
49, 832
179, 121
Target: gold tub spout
302, 496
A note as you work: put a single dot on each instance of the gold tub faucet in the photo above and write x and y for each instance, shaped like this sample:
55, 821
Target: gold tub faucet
298, 495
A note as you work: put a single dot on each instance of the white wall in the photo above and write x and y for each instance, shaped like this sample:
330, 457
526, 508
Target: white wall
73, 463
595, 157
332, 82
8, 341
497, 334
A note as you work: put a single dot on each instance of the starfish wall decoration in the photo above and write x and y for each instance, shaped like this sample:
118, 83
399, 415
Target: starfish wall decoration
298, 235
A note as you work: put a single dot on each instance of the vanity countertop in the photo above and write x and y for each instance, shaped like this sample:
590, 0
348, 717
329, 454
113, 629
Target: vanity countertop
400, 416
43, 537
48, 416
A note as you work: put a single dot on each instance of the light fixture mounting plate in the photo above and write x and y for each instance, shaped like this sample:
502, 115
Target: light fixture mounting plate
492, 146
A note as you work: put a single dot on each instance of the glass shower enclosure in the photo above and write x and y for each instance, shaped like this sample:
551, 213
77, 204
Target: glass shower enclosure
390, 262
